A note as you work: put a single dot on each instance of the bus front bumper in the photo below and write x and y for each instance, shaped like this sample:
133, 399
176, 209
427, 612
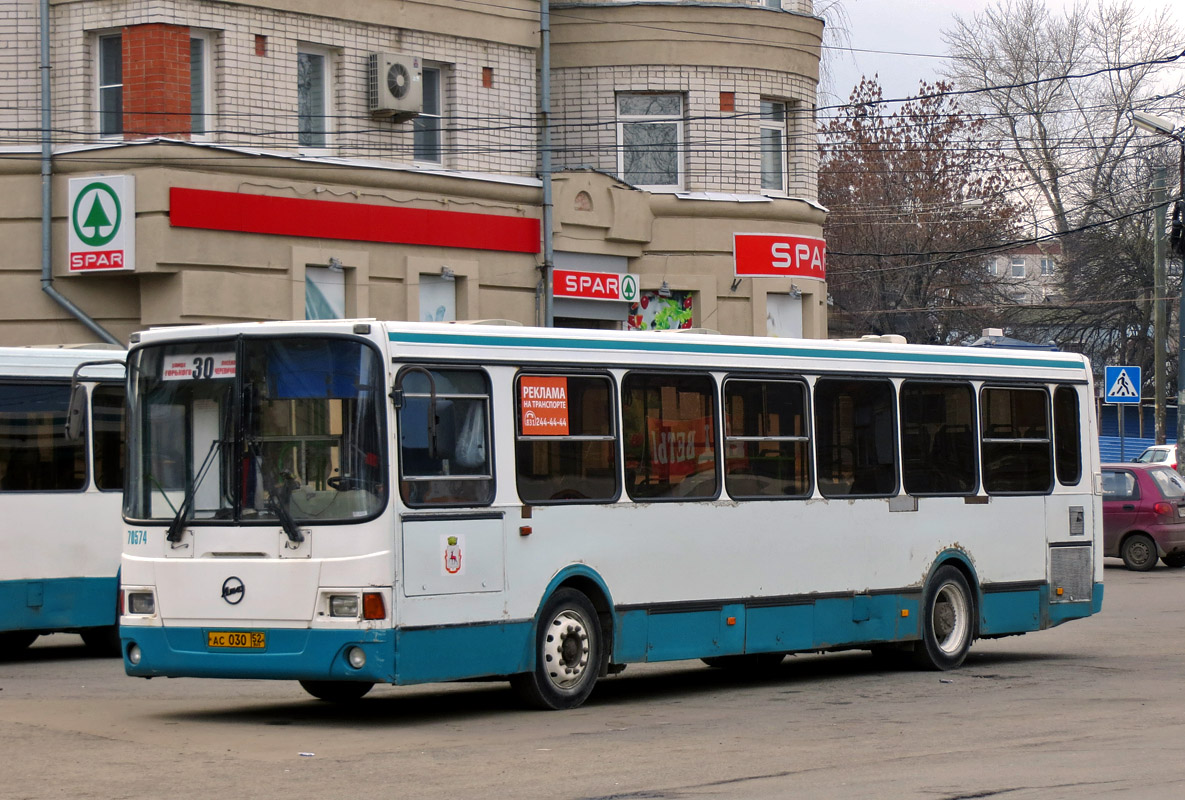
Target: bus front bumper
286, 654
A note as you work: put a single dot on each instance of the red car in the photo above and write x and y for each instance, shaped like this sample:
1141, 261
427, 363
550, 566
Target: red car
1143, 515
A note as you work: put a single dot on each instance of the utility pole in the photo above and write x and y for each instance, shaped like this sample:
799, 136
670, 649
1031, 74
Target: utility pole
1160, 332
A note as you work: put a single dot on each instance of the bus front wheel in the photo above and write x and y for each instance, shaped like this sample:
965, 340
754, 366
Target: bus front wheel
567, 653
337, 691
948, 621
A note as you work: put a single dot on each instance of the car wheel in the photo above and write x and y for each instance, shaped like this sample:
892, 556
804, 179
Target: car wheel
1138, 552
1174, 560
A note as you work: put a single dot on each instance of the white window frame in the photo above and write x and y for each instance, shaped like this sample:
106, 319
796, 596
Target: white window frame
207, 80
327, 68
424, 150
100, 86
770, 125
1018, 261
1046, 267
625, 120
993, 267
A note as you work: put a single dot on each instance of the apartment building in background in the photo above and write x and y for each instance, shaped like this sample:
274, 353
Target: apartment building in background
287, 159
1028, 275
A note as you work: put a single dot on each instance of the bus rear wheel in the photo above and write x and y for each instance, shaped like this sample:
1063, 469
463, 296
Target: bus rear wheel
337, 691
948, 621
567, 654
102, 641
12, 642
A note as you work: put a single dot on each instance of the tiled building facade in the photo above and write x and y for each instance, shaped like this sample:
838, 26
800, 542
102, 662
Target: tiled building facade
675, 126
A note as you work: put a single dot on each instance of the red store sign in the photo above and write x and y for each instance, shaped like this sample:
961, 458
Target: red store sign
768, 255
594, 285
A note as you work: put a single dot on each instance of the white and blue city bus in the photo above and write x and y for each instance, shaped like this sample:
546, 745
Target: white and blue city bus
59, 558
346, 503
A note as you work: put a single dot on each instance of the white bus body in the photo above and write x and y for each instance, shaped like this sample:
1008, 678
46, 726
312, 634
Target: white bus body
58, 559
649, 496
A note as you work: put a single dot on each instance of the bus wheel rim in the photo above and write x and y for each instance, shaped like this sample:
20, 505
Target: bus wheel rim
950, 619
566, 649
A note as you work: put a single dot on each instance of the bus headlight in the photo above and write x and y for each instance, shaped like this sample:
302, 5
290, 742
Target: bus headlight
141, 603
134, 654
343, 605
357, 657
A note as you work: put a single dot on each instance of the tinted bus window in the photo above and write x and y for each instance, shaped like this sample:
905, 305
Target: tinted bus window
855, 444
444, 456
937, 438
765, 439
669, 436
1017, 452
107, 404
566, 448
34, 453
1066, 436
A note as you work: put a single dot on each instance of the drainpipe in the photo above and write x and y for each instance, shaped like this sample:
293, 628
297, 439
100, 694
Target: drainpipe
47, 193
545, 160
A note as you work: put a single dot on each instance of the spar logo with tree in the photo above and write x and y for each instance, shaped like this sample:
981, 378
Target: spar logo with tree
102, 218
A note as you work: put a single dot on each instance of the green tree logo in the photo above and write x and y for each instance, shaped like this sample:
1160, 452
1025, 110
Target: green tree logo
629, 287
98, 228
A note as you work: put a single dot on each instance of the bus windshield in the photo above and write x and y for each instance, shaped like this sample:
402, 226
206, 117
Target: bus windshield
256, 430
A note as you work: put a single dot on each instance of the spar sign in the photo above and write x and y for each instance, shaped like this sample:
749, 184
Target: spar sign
768, 255
102, 224
594, 285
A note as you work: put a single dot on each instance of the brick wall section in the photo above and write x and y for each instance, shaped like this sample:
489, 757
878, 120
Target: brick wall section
156, 80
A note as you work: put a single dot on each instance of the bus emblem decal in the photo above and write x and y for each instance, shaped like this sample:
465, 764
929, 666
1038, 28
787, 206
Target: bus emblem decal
452, 556
233, 590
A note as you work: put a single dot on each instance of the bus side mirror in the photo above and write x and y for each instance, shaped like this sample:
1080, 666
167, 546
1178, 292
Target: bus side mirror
76, 413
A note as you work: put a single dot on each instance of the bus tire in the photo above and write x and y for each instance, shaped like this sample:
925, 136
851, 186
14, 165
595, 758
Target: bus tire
337, 691
948, 621
102, 641
13, 642
567, 654
1138, 552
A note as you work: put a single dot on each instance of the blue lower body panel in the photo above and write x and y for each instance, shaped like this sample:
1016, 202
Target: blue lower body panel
58, 604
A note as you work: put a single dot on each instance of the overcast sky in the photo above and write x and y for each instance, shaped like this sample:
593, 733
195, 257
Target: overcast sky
908, 26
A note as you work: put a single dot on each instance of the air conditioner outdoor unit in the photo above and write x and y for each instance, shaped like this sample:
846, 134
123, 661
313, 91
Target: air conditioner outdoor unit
394, 85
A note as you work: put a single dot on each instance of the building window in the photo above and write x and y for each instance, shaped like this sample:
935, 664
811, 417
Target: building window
110, 70
774, 4
993, 267
773, 145
312, 89
324, 292
428, 127
649, 135
1046, 267
200, 96
1018, 267
1018, 297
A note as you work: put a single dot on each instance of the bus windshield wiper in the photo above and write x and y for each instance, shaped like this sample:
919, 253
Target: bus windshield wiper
177, 526
277, 503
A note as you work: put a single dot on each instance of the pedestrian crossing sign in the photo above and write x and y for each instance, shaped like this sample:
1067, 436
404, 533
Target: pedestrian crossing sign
1121, 384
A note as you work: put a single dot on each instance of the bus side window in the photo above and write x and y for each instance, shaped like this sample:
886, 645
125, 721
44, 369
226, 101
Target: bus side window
1017, 448
937, 438
566, 448
110, 431
445, 460
765, 439
669, 436
1067, 438
35, 455
855, 443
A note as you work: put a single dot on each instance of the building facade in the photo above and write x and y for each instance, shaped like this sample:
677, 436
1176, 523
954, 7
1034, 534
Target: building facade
279, 159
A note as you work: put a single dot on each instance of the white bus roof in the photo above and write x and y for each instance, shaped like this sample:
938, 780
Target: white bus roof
708, 351
59, 362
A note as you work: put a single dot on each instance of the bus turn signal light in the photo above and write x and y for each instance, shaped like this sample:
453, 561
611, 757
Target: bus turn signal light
373, 606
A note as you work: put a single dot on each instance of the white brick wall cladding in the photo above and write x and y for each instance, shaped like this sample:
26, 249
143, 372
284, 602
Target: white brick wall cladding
255, 97
722, 152
796, 6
